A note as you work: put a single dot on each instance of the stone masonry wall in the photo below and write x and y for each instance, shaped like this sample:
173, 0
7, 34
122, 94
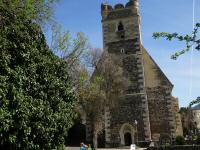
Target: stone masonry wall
179, 128
161, 103
158, 112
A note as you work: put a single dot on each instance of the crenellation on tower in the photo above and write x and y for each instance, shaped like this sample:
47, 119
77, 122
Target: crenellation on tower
119, 6
119, 10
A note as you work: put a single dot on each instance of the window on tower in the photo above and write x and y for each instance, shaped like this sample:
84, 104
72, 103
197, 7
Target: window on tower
122, 50
120, 26
120, 30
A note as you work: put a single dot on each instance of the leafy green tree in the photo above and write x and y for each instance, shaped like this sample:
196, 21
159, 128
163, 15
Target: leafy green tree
39, 11
103, 89
37, 99
91, 101
70, 49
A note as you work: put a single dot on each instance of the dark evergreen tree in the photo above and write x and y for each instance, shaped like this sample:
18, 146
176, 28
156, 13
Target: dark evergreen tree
36, 95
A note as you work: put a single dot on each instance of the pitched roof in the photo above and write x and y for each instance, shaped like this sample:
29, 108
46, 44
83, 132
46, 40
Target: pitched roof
153, 71
197, 107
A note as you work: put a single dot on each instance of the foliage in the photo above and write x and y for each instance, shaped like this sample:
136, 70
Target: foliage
92, 100
180, 140
197, 101
38, 11
176, 147
190, 40
185, 131
184, 110
96, 95
71, 50
198, 140
114, 81
80, 58
36, 94
102, 89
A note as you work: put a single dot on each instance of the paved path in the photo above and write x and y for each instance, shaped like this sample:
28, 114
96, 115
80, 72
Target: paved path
77, 148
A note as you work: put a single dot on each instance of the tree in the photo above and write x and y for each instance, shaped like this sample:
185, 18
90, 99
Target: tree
101, 88
91, 100
37, 98
71, 50
39, 11
114, 83
107, 82
190, 41
82, 60
197, 101
95, 107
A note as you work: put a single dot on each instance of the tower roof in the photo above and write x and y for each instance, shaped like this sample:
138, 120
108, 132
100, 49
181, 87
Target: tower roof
197, 107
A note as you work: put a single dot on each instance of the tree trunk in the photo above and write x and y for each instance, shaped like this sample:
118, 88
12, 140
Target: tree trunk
95, 143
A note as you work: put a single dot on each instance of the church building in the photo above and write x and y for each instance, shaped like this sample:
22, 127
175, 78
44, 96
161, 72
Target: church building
148, 111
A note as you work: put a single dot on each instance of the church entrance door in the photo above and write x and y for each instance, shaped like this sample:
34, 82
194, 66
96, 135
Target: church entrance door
127, 139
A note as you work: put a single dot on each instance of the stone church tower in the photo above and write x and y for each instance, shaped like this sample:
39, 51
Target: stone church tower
147, 111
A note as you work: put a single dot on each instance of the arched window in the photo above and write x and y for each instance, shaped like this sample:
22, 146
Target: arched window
122, 50
120, 26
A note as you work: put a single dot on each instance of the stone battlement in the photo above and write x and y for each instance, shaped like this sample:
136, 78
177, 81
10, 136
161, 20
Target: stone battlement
119, 10
131, 3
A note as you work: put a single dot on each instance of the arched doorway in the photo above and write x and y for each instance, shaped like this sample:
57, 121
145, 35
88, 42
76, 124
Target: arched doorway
76, 135
127, 133
127, 139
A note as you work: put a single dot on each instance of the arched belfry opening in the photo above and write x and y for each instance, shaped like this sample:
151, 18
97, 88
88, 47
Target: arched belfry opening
120, 27
127, 133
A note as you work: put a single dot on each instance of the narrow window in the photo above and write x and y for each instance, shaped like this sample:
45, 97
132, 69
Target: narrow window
120, 26
122, 50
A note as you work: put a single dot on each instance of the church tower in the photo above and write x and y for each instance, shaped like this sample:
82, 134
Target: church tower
122, 38
147, 109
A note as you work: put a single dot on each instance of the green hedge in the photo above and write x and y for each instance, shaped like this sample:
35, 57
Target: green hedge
185, 147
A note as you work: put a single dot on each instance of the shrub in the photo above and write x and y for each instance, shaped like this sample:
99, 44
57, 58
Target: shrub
180, 140
198, 140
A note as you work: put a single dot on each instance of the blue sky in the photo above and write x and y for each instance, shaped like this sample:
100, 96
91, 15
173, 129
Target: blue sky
157, 16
